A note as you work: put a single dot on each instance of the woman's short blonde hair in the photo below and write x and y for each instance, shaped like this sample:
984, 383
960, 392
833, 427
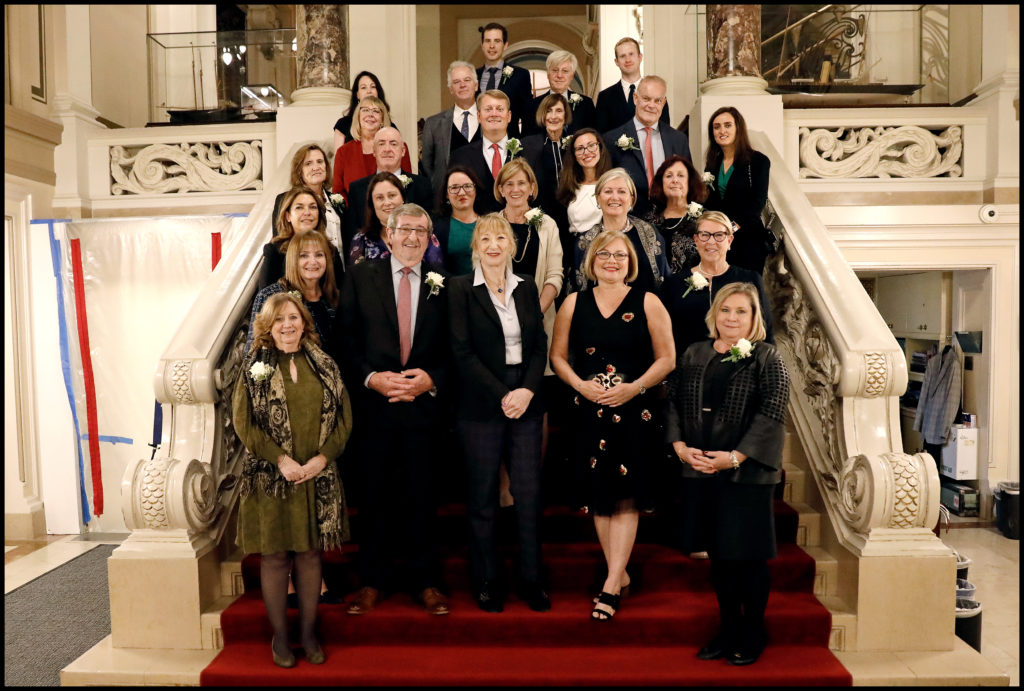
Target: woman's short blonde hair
299, 241
613, 174
716, 217
757, 330
492, 223
603, 239
547, 103
357, 132
264, 321
516, 165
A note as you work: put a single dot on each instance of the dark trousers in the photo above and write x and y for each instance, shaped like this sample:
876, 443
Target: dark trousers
398, 510
741, 586
486, 445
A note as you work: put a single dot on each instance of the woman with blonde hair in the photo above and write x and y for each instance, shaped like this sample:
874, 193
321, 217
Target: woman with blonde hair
725, 422
354, 160
291, 411
500, 351
619, 341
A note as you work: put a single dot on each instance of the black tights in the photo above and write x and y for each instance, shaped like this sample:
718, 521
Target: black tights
274, 570
742, 589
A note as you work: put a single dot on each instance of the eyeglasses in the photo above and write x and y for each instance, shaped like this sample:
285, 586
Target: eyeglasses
704, 236
586, 148
466, 187
405, 231
371, 111
605, 255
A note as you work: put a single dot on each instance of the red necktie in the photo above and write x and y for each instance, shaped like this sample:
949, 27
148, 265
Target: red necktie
649, 157
405, 314
495, 162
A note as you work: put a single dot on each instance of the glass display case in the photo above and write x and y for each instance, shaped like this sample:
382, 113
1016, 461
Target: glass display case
200, 76
866, 54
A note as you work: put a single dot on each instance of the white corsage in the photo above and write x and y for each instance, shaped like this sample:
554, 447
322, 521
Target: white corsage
741, 350
696, 281
575, 100
694, 210
513, 146
534, 217
404, 179
565, 142
709, 179
260, 371
337, 199
436, 283
626, 143
506, 74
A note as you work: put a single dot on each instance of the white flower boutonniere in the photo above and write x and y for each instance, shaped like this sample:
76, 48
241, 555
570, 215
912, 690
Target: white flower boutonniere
337, 199
404, 179
626, 143
506, 74
696, 281
513, 146
709, 179
694, 210
565, 142
741, 350
534, 217
260, 371
575, 100
436, 283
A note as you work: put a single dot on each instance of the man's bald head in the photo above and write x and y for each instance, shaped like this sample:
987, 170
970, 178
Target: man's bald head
388, 148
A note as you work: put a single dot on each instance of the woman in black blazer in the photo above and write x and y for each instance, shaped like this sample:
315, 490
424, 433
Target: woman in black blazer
500, 350
740, 186
727, 407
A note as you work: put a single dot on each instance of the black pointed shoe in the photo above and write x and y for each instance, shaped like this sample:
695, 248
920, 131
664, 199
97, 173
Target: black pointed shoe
535, 596
489, 599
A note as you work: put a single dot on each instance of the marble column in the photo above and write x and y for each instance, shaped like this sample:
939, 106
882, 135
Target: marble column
322, 46
734, 40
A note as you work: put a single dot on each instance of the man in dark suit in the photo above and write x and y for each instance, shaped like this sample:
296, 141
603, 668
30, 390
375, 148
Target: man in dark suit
450, 129
388, 149
514, 81
615, 104
486, 157
394, 348
644, 142
562, 66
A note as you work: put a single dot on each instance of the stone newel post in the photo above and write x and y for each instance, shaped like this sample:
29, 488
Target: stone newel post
322, 43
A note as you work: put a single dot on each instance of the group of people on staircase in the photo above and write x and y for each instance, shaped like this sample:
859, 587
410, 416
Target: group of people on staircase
578, 276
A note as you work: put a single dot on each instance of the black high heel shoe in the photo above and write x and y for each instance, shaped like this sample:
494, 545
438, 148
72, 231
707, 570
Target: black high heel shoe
608, 600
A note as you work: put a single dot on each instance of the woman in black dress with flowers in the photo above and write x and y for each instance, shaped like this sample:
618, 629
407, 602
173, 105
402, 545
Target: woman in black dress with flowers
615, 360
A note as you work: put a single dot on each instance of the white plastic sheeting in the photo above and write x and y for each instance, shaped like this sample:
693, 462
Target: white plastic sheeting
138, 280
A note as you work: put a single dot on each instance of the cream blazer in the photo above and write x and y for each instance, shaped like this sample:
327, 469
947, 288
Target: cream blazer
549, 270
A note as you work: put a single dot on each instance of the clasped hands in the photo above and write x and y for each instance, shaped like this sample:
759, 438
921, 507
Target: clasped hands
708, 462
402, 386
515, 403
615, 396
298, 474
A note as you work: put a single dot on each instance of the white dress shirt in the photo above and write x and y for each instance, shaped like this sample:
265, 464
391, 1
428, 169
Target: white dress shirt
414, 285
657, 148
485, 76
507, 315
489, 153
584, 213
474, 121
625, 88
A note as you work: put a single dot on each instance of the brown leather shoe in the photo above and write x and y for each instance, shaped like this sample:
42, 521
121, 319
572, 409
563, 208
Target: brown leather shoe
365, 601
433, 601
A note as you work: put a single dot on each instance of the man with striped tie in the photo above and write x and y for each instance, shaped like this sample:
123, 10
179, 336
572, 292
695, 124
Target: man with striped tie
452, 128
514, 81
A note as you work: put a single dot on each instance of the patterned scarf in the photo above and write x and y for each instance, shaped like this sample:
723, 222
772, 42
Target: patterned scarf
270, 412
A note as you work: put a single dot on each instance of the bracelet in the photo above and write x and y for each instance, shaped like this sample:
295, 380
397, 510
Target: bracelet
735, 461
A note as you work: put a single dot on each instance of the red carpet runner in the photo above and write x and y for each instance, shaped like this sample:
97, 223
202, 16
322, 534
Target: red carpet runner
653, 640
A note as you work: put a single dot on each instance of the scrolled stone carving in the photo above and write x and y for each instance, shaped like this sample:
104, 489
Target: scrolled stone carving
877, 368
199, 500
180, 376
180, 168
887, 493
166, 493
151, 493
881, 152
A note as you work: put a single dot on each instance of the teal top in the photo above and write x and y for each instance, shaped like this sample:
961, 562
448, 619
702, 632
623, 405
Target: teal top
723, 178
460, 235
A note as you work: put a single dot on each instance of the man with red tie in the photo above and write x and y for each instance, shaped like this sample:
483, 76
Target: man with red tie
393, 318
495, 148
644, 142
615, 104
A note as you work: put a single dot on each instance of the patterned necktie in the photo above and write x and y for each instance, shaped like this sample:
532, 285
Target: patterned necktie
493, 81
405, 314
495, 162
649, 157
632, 105
465, 125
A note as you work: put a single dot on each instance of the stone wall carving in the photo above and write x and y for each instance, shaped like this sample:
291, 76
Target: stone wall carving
180, 376
881, 152
181, 168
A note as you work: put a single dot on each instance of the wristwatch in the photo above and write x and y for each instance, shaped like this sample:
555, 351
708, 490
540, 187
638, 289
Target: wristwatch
643, 389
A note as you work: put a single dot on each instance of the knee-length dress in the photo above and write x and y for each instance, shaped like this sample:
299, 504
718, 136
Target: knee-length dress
614, 448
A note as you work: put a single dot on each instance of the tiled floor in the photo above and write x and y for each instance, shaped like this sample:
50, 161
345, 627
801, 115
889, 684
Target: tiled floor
994, 570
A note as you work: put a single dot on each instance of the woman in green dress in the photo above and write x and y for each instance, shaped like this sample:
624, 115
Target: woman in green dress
293, 416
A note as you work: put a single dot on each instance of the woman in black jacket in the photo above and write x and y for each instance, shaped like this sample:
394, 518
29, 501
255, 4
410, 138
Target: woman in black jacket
725, 419
739, 187
501, 350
